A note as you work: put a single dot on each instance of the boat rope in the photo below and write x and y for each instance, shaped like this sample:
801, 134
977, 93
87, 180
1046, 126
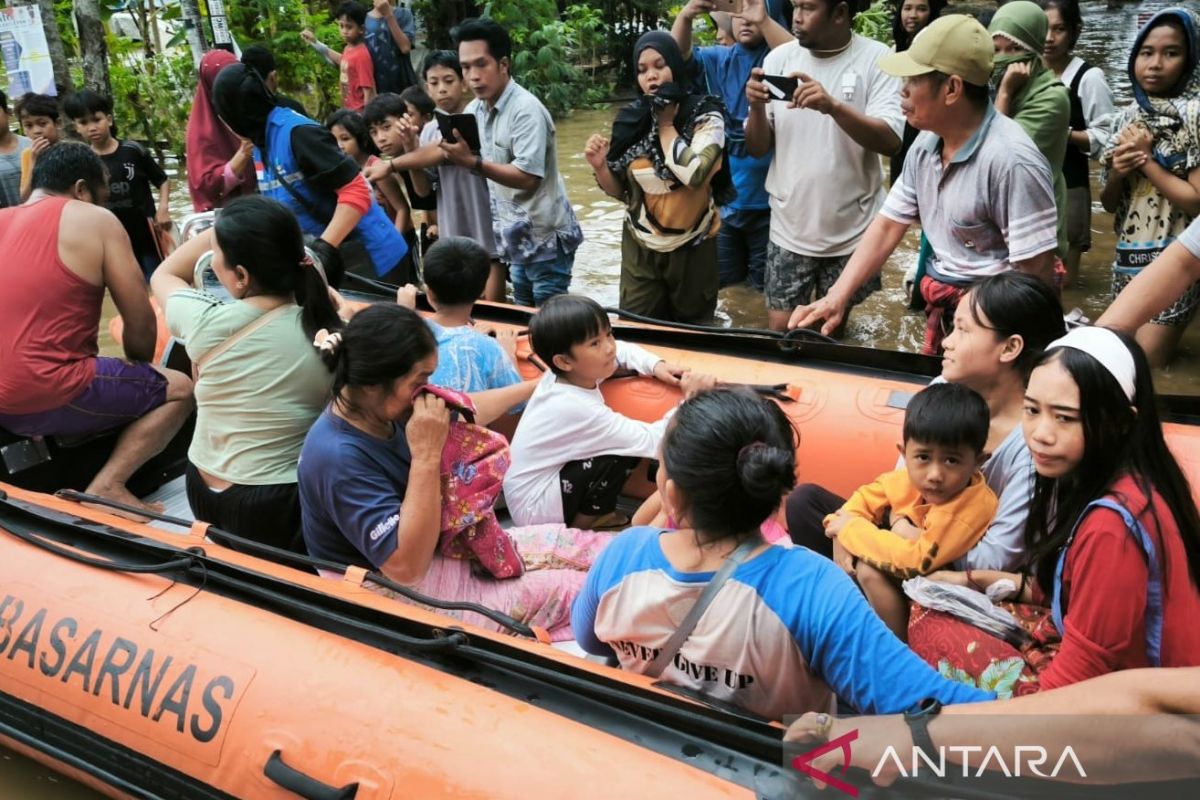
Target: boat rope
182, 562
792, 335
388, 290
296, 559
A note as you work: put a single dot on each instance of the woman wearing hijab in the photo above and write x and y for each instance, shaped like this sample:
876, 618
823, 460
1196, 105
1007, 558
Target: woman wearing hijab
665, 161
1031, 94
219, 162
303, 168
1152, 165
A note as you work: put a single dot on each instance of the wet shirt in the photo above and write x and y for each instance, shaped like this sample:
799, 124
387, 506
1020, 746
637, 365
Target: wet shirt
133, 175
785, 633
532, 225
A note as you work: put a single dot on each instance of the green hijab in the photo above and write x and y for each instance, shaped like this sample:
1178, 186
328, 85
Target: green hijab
1042, 107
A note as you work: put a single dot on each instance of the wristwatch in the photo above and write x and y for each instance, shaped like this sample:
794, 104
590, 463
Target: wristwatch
918, 718
478, 168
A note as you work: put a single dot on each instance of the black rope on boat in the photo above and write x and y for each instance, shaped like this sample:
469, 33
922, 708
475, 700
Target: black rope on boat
767, 333
378, 287
790, 341
112, 566
296, 559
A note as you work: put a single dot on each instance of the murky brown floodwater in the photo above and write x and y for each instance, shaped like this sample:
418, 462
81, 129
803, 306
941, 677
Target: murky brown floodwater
881, 321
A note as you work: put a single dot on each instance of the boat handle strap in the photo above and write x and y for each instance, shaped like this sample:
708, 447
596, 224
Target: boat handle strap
303, 785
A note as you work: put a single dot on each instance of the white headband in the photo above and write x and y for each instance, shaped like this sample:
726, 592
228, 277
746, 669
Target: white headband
1107, 348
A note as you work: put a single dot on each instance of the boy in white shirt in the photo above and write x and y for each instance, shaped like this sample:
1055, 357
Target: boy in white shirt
571, 453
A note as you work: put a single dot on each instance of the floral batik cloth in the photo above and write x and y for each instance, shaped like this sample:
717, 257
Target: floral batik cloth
474, 461
966, 654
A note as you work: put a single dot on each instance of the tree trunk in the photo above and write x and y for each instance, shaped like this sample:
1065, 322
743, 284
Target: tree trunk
93, 46
54, 42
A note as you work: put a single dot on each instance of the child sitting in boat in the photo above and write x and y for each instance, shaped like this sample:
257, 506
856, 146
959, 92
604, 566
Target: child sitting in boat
469, 360
571, 453
918, 518
786, 630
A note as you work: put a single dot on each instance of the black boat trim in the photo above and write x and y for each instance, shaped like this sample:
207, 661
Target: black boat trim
97, 756
290, 558
733, 748
695, 735
771, 346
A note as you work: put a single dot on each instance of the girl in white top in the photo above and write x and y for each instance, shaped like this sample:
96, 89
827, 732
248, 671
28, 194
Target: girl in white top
571, 453
1092, 114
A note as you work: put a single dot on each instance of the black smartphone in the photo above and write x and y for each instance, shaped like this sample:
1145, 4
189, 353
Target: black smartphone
781, 88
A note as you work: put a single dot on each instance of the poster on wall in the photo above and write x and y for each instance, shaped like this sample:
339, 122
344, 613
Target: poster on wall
26, 56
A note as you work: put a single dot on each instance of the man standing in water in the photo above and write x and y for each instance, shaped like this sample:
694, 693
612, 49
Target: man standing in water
535, 224
826, 177
63, 249
974, 180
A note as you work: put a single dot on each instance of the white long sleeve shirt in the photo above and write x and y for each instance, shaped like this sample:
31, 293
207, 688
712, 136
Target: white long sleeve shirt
562, 423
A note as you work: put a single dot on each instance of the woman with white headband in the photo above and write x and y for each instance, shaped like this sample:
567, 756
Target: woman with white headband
1113, 531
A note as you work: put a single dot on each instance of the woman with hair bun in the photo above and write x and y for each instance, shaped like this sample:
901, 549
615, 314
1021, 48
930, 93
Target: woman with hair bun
260, 385
787, 630
371, 479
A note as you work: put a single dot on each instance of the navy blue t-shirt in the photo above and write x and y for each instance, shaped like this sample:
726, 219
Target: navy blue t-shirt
351, 489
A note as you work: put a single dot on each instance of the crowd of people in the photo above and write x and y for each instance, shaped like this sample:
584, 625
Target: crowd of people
1033, 470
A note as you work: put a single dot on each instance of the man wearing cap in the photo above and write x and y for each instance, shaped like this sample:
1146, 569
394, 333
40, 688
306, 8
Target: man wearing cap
974, 179
825, 182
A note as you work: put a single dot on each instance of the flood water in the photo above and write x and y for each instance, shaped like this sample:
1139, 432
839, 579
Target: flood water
881, 321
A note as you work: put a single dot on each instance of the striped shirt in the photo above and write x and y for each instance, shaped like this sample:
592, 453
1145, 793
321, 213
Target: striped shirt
990, 206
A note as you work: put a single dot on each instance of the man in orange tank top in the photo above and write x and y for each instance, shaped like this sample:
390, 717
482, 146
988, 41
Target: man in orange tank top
63, 249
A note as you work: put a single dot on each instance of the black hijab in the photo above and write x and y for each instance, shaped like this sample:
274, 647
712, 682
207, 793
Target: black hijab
243, 101
634, 132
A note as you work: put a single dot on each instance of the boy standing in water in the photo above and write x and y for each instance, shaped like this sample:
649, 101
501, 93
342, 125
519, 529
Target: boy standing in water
131, 173
12, 149
38, 114
923, 516
357, 68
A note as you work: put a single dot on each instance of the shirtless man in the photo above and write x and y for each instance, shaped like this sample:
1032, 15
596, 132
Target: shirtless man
63, 249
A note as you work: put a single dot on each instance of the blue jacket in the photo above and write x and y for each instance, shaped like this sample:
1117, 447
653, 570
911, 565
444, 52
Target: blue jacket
314, 208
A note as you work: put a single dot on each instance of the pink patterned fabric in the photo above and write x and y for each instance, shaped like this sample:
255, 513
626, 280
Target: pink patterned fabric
474, 461
556, 560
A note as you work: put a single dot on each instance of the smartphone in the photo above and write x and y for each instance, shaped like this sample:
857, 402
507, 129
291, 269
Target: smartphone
781, 88
729, 6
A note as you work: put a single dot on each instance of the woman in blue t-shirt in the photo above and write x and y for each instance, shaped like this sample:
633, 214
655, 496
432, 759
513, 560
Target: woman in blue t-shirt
371, 487
788, 630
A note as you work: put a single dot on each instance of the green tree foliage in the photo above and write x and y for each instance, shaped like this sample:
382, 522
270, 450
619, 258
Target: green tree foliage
876, 22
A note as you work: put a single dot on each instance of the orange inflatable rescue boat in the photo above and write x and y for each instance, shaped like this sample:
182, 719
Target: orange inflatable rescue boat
154, 662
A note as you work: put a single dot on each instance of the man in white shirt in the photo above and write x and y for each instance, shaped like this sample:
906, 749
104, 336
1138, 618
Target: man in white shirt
826, 177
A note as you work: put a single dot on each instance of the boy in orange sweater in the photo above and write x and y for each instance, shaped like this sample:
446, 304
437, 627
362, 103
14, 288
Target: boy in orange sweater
920, 517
